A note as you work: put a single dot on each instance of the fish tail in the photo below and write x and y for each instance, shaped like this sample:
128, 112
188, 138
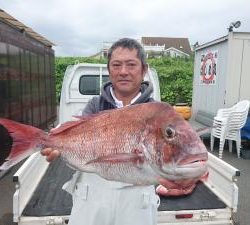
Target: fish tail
17, 141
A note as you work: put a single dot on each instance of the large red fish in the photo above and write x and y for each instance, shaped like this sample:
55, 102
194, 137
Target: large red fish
142, 144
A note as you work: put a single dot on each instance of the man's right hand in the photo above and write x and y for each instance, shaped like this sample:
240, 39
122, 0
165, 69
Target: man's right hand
51, 154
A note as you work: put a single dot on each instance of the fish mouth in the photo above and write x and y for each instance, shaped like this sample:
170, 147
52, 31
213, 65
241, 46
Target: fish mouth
188, 168
193, 159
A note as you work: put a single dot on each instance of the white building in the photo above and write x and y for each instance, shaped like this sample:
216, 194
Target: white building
165, 46
221, 72
157, 47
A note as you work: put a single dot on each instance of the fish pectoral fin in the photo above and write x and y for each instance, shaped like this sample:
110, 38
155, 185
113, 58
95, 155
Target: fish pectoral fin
119, 158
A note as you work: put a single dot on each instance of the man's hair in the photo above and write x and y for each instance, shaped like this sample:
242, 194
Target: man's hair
130, 44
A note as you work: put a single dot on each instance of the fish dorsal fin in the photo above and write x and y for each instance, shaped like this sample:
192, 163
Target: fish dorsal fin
104, 112
65, 126
71, 124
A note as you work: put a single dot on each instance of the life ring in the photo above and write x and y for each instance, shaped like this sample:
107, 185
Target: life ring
208, 75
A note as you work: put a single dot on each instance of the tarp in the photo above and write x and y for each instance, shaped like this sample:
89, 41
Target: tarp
245, 131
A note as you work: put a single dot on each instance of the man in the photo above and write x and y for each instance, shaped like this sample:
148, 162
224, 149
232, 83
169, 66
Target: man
97, 201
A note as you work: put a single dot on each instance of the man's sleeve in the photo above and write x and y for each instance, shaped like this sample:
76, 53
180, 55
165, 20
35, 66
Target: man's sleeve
91, 107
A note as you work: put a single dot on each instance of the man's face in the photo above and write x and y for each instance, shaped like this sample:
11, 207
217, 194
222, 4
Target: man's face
126, 71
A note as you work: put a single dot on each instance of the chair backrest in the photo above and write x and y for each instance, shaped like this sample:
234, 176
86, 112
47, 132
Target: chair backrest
242, 106
238, 116
225, 112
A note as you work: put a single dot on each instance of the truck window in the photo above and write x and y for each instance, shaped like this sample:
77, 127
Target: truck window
90, 84
105, 79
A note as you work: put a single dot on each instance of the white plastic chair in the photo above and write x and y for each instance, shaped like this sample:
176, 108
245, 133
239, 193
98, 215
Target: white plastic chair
227, 125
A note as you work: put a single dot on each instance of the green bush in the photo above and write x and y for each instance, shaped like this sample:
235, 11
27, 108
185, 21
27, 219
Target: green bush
175, 75
176, 78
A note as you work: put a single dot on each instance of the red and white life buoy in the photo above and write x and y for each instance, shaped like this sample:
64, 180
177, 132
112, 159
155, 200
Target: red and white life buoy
208, 67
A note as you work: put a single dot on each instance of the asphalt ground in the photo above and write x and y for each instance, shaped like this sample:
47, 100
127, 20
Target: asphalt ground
7, 189
242, 217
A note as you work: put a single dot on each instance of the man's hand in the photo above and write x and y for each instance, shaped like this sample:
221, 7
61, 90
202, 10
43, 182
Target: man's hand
51, 154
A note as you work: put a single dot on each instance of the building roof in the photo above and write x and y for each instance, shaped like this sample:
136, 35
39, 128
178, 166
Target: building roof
181, 44
210, 43
8, 19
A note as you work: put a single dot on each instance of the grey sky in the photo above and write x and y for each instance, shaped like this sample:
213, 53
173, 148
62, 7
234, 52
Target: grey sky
79, 27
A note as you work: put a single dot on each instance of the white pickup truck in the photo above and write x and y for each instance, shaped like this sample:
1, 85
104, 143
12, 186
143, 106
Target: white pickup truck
40, 200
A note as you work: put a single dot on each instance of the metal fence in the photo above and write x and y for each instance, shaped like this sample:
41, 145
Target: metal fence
27, 79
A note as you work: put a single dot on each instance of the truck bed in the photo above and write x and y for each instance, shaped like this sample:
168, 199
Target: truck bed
50, 200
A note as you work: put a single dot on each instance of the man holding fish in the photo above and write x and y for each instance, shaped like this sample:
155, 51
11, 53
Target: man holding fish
110, 202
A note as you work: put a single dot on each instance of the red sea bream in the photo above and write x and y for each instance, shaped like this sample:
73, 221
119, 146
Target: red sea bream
142, 144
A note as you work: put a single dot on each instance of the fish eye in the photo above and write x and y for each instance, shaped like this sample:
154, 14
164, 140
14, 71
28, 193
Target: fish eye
170, 132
